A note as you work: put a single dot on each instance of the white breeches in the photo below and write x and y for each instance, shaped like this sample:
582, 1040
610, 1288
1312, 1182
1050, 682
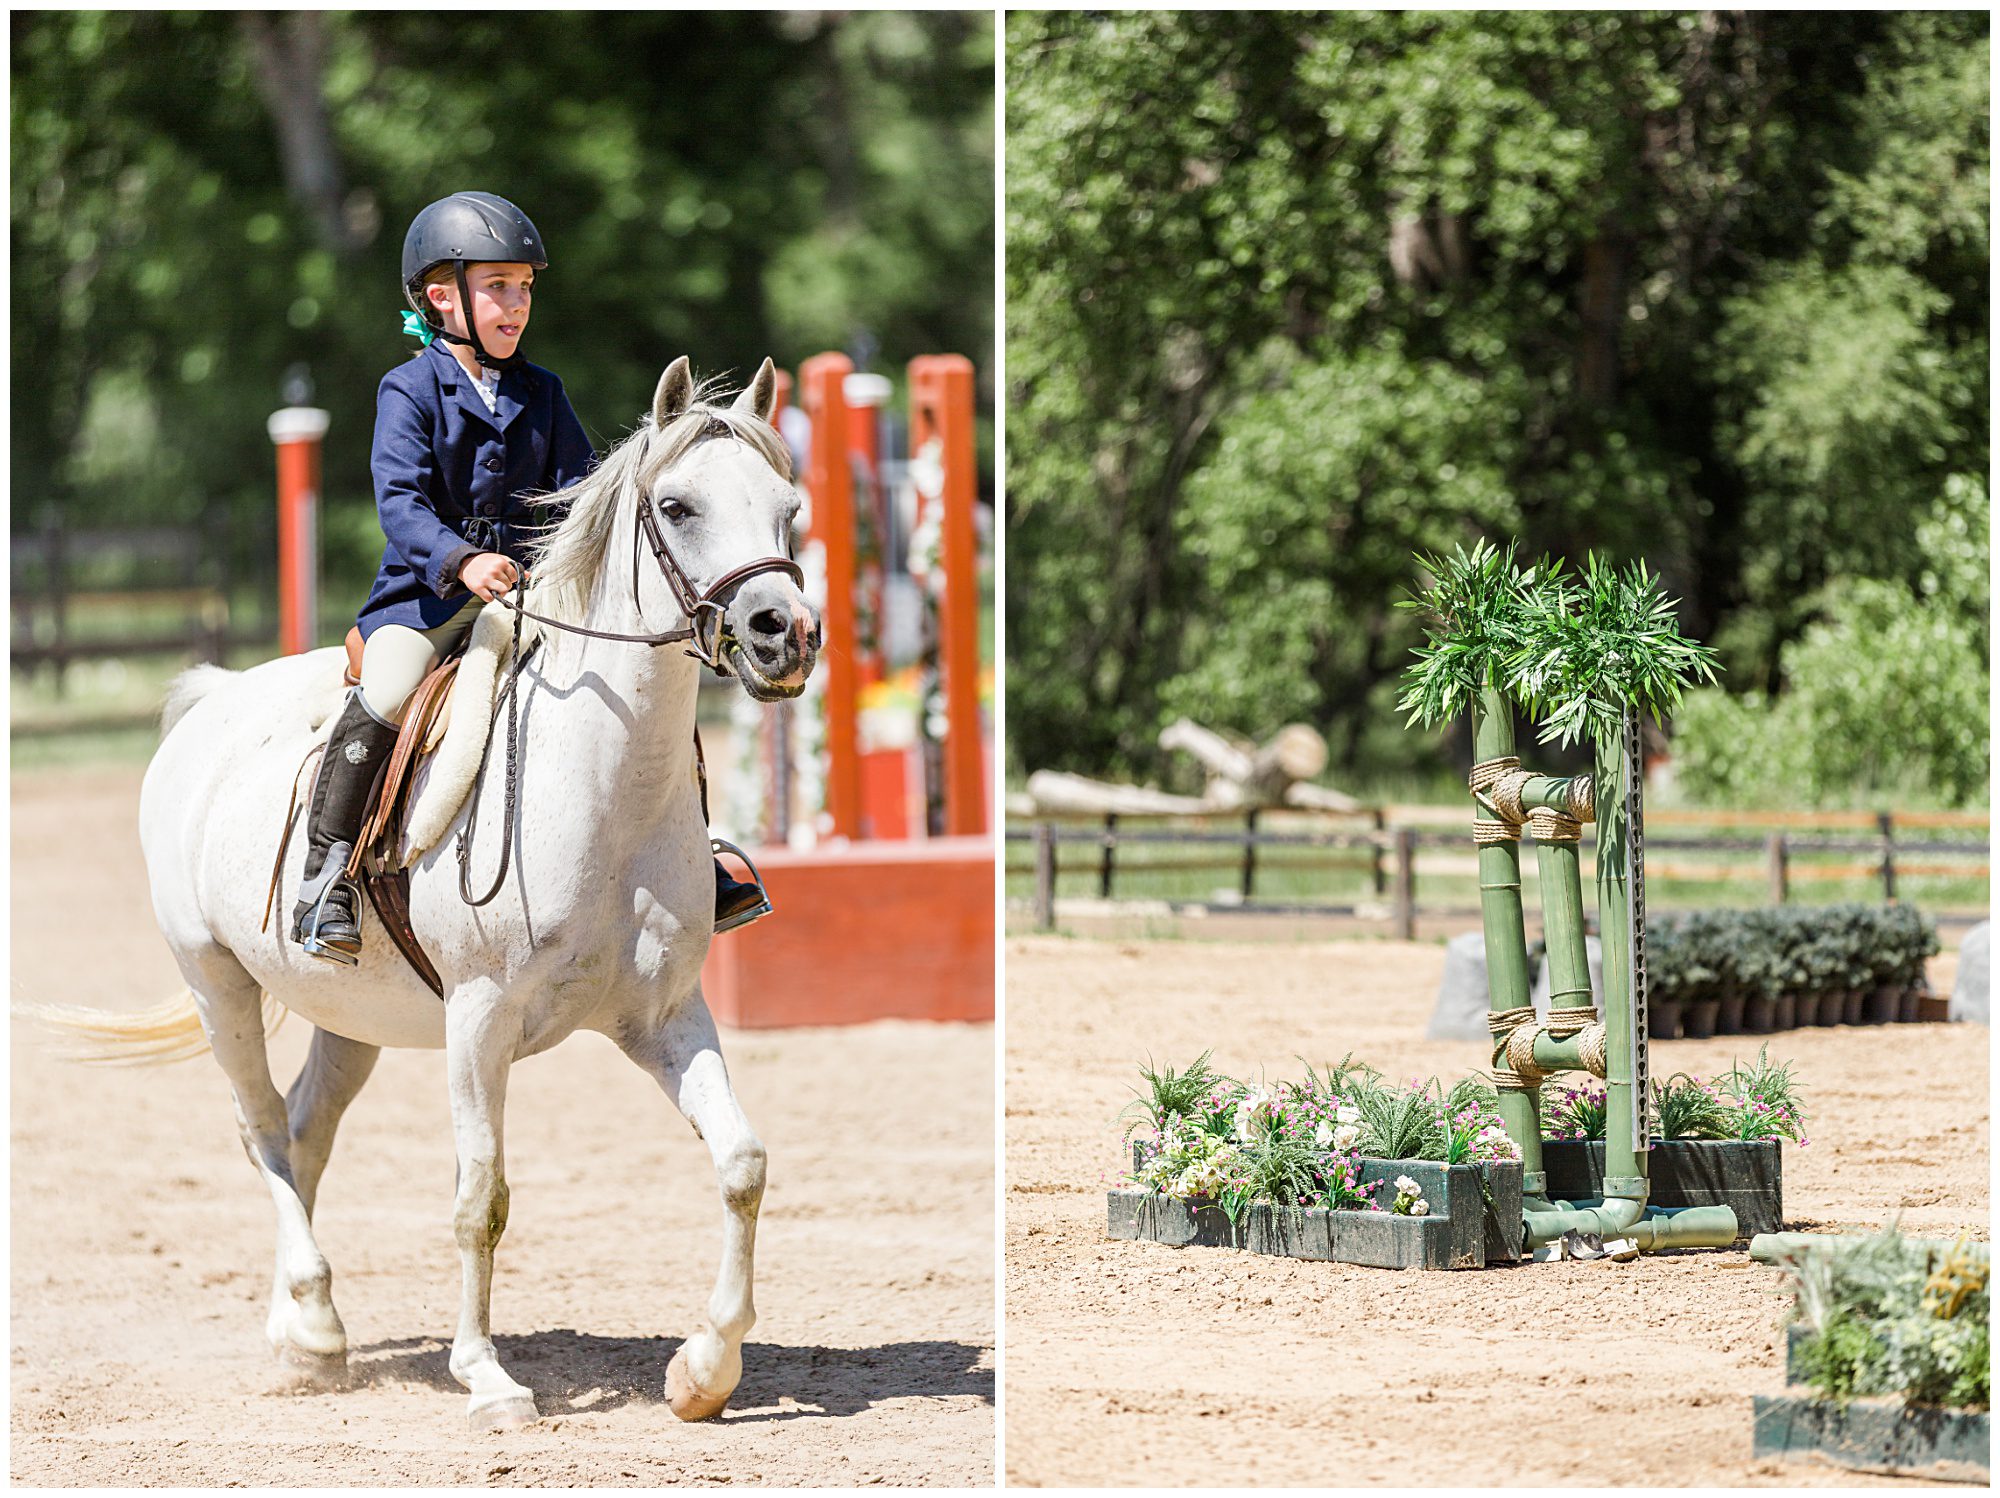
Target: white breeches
396, 660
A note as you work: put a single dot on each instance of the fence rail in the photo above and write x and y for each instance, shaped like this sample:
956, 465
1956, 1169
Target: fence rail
98, 594
1389, 852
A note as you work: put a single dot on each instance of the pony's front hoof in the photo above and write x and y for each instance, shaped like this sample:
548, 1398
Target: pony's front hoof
686, 1398
312, 1370
511, 1413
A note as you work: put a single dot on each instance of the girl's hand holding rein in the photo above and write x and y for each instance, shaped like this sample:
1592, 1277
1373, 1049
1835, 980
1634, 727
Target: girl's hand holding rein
489, 574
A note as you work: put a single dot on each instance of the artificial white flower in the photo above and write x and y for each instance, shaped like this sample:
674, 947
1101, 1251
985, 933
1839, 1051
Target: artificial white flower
1344, 1137
1323, 1135
1407, 1186
1420, 1208
1347, 1113
1257, 1102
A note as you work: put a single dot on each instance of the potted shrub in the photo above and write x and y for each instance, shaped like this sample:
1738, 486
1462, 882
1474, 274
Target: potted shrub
1799, 934
1876, 938
1914, 939
1665, 981
1823, 962
1755, 959
1783, 974
1711, 952
1702, 1011
1856, 971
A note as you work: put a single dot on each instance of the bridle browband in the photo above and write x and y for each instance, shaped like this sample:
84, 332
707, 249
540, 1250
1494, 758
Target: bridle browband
704, 608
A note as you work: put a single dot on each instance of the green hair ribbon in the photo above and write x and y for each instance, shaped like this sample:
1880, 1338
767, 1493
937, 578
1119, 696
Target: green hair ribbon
416, 327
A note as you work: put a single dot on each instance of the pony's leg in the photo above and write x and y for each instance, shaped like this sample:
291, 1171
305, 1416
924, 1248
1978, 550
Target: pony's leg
478, 1052
303, 1327
680, 1051
333, 1074
334, 1071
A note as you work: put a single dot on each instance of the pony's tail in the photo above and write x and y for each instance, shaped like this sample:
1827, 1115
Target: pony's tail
186, 690
147, 1037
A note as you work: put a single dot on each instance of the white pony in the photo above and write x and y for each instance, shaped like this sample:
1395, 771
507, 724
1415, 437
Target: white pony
606, 910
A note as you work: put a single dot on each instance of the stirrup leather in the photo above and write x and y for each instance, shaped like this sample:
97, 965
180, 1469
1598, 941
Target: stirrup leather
332, 875
755, 912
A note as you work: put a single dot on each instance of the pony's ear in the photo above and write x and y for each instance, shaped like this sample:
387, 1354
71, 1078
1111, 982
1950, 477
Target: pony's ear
675, 393
758, 395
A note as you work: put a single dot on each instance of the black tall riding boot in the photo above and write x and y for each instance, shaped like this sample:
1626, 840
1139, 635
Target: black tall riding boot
327, 919
736, 903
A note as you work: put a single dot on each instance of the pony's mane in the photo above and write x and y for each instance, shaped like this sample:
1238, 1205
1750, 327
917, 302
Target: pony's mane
568, 561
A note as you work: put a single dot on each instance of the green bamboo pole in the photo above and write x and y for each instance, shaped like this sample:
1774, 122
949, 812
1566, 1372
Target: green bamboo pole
1566, 1054
1506, 932
1625, 1148
1551, 791
1562, 926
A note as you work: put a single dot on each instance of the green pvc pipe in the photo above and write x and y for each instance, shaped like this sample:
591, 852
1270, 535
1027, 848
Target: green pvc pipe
1651, 1228
1505, 927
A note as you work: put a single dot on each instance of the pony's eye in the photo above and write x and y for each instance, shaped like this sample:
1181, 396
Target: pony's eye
673, 509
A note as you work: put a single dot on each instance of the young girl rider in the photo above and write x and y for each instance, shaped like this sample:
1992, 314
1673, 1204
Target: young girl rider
468, 436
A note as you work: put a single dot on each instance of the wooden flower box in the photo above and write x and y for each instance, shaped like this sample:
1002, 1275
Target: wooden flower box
1461, 1231
1875, 1435
1743, 1175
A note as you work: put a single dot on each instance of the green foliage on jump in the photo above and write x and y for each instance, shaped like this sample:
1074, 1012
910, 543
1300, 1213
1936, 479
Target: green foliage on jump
1599, 643
1574, 651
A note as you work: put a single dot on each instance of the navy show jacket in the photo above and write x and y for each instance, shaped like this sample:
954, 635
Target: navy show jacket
453, 479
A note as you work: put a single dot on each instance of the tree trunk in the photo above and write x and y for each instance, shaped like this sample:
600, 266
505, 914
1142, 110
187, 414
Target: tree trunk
290, 57
1603, 318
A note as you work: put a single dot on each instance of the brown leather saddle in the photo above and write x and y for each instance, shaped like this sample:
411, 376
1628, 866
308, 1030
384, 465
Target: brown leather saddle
374, 861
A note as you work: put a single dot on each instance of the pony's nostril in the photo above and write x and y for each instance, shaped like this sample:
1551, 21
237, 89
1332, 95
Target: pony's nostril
767, 622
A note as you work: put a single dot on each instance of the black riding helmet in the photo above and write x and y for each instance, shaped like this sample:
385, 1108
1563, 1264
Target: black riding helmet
464, 229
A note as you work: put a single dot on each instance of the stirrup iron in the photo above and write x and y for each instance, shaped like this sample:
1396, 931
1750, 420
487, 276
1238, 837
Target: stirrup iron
332, 874
755, 912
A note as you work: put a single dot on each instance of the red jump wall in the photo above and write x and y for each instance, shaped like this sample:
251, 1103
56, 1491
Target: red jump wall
874, 930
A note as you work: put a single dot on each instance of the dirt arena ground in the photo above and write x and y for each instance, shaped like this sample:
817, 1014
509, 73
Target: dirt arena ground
142, 1243
1133, 1363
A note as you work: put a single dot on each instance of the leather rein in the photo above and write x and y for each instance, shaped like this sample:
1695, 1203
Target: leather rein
702, 607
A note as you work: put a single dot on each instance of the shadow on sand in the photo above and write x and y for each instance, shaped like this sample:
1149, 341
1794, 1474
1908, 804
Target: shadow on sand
564, 1367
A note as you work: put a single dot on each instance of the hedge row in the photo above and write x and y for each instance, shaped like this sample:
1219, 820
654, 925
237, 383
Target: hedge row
1787, 949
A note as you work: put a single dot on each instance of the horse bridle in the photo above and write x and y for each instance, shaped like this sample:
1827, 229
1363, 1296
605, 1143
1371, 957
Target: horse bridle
697, 604
705, 628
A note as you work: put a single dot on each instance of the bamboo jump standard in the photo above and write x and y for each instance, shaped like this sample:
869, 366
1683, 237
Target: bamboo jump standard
1493, 618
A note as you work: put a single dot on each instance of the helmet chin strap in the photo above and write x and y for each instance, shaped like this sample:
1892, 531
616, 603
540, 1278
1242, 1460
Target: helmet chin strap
489, 361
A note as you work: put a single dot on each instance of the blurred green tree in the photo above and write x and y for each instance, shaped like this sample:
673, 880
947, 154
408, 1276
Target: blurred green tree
204, 200
1289, 295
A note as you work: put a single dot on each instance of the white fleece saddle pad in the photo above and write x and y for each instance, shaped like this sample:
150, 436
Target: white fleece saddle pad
457, 737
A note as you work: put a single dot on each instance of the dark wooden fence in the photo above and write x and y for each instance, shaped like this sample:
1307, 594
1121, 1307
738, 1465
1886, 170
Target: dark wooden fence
1390, 852
80, 595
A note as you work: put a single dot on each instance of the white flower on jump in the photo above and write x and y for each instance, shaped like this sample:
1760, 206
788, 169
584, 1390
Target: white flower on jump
1347, 1113
1420, 1208
1344, 1138
1255, 1104
1323, 1134
1408, 1187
